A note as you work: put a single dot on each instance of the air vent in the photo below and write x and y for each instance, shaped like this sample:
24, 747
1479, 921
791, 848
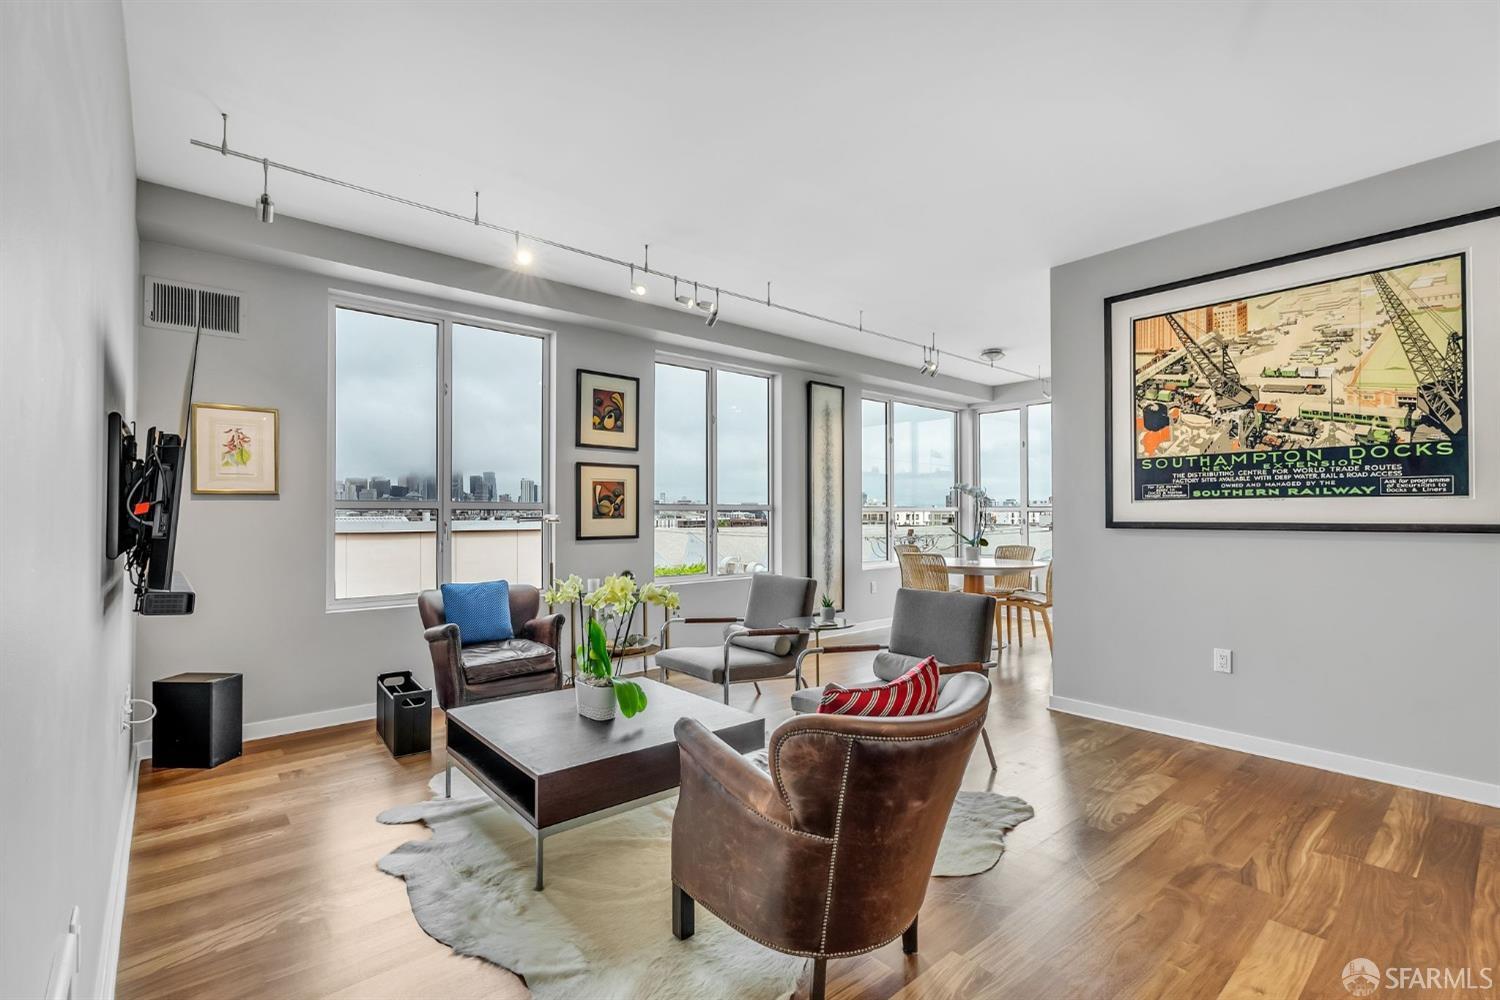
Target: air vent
172, 305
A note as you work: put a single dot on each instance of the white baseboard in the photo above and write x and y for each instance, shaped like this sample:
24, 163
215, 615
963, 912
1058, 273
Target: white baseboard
1327, 760
114, 904
291, 724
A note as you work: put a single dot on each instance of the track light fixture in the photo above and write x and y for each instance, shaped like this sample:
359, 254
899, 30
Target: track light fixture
713, 310
524, 257
638, 281
265, 208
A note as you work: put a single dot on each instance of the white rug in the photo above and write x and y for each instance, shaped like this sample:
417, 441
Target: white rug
603, 928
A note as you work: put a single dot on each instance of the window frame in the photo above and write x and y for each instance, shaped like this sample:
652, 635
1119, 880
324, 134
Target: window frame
1028, 508
444, 506
712, 507
890, 508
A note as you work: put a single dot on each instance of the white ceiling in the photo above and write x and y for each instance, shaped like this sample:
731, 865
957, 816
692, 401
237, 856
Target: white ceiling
924, 162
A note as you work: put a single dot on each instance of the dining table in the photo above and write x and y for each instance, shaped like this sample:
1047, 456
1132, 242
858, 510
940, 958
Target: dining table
975, 571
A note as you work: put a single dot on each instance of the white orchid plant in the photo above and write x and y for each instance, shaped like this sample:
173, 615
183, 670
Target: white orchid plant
983, 519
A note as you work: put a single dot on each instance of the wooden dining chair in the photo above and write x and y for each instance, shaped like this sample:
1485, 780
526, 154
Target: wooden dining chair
906, 557
1033, 602
1008, 583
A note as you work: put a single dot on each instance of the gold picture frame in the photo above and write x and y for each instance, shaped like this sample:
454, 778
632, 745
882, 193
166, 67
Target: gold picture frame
236, 449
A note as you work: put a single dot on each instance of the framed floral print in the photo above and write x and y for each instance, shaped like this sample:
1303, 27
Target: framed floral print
608, 411
236, 449
608, 501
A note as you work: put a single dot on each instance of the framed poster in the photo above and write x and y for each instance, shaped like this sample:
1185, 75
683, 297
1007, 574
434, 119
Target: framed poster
608, 501
1345, 388
825, 488
236, 449
608, 411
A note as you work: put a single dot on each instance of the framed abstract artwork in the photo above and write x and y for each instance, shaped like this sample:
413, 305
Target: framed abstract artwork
608, 411
608, 501
825, 488
236, 449
1345, 388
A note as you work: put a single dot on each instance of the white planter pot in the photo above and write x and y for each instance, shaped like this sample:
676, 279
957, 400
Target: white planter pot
597, 703
827, 614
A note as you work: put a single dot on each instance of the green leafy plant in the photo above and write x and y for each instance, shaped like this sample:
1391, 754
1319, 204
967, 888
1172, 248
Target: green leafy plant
594, 662
827, 601
683, 569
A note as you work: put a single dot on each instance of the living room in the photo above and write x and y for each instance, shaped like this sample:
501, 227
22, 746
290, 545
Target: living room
560, 500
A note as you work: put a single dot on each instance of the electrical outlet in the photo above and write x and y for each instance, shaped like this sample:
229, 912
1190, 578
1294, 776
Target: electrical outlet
872, 586
1223, 661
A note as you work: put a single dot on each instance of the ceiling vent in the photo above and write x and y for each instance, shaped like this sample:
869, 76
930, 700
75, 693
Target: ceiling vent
172, 305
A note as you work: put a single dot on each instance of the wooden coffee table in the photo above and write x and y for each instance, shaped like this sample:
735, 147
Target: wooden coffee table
555, 770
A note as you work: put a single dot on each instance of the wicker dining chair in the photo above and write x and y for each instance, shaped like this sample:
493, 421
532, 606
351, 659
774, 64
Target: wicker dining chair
904, 557
1033, 602
924, 571
1008, 583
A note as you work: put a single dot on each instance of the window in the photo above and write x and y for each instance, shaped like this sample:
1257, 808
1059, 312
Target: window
1015, 468
908, 468
431, 485
713, 471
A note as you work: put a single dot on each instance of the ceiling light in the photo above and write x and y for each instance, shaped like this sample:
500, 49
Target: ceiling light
713, 310
524, 257
992, 354
265, 208
690, 301
637, 282
929, 362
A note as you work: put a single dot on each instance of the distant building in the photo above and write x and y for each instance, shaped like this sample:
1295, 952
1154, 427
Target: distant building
1230, 318
1156, 334
429, 487
491, 487
477, 489
381, 486
530, 492
457, 486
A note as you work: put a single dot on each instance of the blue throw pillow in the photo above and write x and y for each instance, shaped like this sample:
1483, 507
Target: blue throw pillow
480, 610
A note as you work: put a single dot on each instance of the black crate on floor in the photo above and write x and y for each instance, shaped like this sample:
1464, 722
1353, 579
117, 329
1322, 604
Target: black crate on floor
403, 714
199, 720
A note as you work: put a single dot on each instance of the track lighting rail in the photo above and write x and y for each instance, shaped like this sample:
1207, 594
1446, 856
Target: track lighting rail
224, 149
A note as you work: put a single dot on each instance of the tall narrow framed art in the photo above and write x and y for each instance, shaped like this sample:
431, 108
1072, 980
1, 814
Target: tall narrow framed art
1345, 388
825, 488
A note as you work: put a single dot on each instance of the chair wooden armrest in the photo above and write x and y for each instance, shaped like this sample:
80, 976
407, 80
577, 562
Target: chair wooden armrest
764, 631
864, 648
961, 668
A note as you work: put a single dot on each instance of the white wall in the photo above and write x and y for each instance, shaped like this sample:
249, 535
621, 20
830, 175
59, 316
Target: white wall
67, 357
1383, 647
257, 564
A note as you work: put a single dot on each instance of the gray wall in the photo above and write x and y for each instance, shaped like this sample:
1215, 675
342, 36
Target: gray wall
67, 357
1381, 646
296, 657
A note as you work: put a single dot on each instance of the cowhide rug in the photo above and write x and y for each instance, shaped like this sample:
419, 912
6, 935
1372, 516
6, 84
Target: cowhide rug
602, 928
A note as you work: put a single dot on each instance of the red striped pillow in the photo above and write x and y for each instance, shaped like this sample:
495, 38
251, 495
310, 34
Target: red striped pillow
913, 693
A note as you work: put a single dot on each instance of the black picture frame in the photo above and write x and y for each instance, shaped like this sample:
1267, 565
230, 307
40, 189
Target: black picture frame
632, 415
634, 502
812, 563
1110, 521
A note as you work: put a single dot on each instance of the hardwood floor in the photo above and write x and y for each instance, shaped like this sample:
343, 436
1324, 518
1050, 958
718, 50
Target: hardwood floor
1154, 868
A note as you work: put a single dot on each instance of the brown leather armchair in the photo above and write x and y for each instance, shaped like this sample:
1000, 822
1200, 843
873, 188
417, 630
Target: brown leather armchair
484, 671
827, 855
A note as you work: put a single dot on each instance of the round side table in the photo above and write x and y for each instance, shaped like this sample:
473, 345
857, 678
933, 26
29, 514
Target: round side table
814, 626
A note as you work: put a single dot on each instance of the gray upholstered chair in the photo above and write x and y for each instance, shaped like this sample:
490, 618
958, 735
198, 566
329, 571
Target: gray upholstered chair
755, 647
954, 627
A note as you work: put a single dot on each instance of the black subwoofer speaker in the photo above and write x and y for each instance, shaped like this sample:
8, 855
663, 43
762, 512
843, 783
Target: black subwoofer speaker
198, 720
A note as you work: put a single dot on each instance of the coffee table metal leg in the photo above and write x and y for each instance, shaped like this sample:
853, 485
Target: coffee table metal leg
539, 861
448, 780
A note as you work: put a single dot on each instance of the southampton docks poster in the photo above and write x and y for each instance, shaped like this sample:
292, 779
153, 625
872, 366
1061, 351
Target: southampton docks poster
1353, 387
